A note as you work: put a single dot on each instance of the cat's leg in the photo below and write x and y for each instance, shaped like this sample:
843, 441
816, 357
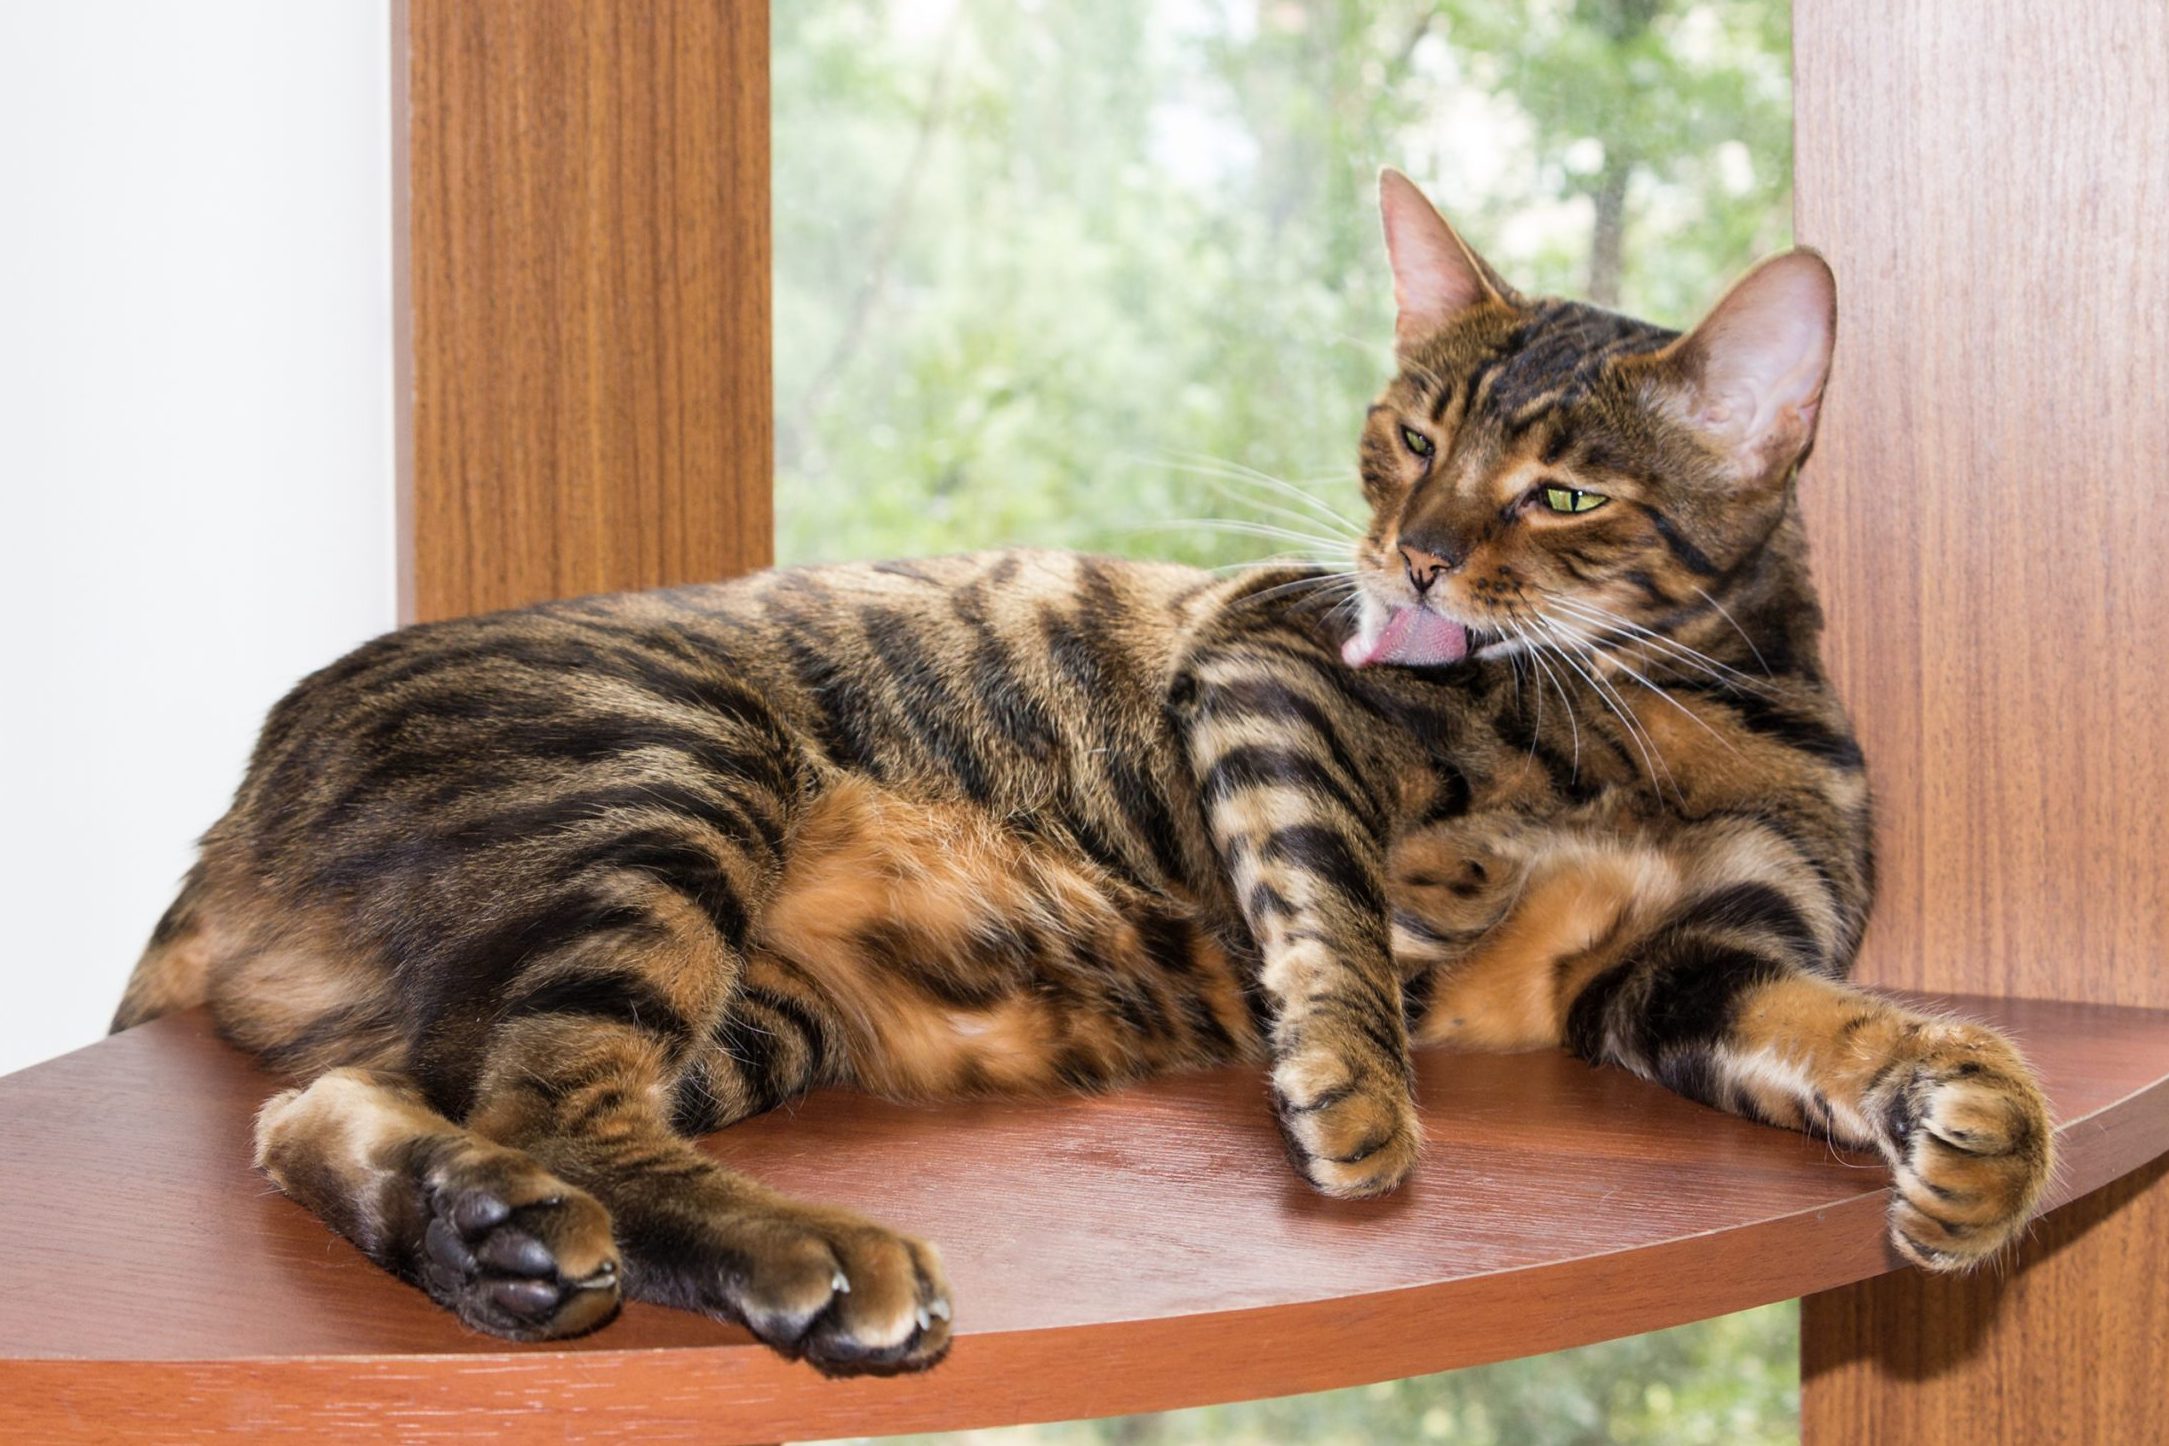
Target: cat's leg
590, 1095
1951, 1105
507, 1246
568, 1182
1300, 836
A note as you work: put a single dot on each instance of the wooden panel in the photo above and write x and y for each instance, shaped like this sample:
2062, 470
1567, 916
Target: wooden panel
1988, 501
1988, 509
2052, 1350
1141, 1251
587, 268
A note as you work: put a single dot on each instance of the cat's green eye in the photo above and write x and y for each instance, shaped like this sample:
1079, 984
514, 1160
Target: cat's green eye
1418, 443
1571, 499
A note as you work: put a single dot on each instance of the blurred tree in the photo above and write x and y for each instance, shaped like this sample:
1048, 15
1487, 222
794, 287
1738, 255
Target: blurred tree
1035, 259
1079, 273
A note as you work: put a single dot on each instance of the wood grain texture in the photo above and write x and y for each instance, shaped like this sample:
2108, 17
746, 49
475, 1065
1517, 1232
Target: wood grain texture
1987, 499
2050, 1351
1987, 502
1140, 1251
587, 274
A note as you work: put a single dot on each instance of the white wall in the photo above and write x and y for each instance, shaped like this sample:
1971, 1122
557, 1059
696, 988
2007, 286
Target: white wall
195, 441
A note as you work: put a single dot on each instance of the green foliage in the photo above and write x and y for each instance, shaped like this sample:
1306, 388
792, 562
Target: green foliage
1733, 1381
1055, 271
1037, 259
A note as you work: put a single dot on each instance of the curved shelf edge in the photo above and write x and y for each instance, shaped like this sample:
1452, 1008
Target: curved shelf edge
1138, 1252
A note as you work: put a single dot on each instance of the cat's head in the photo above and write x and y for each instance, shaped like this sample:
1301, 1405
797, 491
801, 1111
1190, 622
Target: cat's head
1540, 464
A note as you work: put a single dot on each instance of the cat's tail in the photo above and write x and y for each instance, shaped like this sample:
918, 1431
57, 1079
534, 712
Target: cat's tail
174, 971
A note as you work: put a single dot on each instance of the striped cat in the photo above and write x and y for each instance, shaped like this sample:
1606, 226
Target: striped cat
525, 902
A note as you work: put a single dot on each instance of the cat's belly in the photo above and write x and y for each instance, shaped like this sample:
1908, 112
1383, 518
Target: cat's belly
955, 955
1512, 987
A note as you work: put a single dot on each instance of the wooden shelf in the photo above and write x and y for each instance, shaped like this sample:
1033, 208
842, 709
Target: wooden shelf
1143, 1251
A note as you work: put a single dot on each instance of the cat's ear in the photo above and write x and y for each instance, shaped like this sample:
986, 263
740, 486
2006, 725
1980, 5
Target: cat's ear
1752, 374
1436, 276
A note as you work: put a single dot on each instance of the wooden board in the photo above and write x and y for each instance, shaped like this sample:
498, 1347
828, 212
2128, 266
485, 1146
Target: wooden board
1987, 500
2040, 1353
1990, 181
585, 401
1142, 1251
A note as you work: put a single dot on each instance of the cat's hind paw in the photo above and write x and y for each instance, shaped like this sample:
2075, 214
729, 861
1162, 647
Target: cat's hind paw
486, 1230
539, 1268
844, 1294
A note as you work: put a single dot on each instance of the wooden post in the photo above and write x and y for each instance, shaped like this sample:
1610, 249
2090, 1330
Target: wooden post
1990, 507
585, 277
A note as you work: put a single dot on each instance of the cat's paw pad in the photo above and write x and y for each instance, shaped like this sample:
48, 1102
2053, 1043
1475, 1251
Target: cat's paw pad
1352, 1132
1971, 1143
850, 1297
516, 1252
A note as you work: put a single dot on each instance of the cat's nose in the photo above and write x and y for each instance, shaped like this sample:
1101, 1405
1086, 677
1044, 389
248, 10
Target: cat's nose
1427, 564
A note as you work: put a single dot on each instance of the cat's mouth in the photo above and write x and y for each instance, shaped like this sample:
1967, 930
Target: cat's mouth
1410, 635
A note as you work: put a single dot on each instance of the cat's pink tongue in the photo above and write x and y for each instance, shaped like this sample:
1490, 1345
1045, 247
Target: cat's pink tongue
1412, 637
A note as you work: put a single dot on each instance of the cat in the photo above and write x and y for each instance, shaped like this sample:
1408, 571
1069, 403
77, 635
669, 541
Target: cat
522, 903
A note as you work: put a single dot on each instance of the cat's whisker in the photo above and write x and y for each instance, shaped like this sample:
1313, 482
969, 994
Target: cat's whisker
1614, 623
1215, 468
1243, 529
1225, 487
1685, 711
1300, 494
1314, 585
1610, 621
1644, 652
1624, 651
1334, 563
1576, 652
1537, 730
1726, 614
1651, 653
1277, 560
1652, 757
1536, 656
1339, 581
1566, 704
1234, 470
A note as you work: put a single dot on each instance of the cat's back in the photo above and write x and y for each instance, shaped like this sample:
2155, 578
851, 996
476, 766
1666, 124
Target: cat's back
446, 780
842, 652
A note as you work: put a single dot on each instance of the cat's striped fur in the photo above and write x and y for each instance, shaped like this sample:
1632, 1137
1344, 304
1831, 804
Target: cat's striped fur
523, 901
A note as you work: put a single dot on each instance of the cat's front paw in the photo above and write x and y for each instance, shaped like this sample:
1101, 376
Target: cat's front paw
1350, 1125
1970, 1142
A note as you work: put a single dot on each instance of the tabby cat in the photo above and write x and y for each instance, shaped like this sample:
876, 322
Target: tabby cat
525, 902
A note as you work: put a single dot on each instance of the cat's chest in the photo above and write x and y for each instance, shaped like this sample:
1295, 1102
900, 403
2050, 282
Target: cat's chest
1530, 837
1495, 803
1453, 875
